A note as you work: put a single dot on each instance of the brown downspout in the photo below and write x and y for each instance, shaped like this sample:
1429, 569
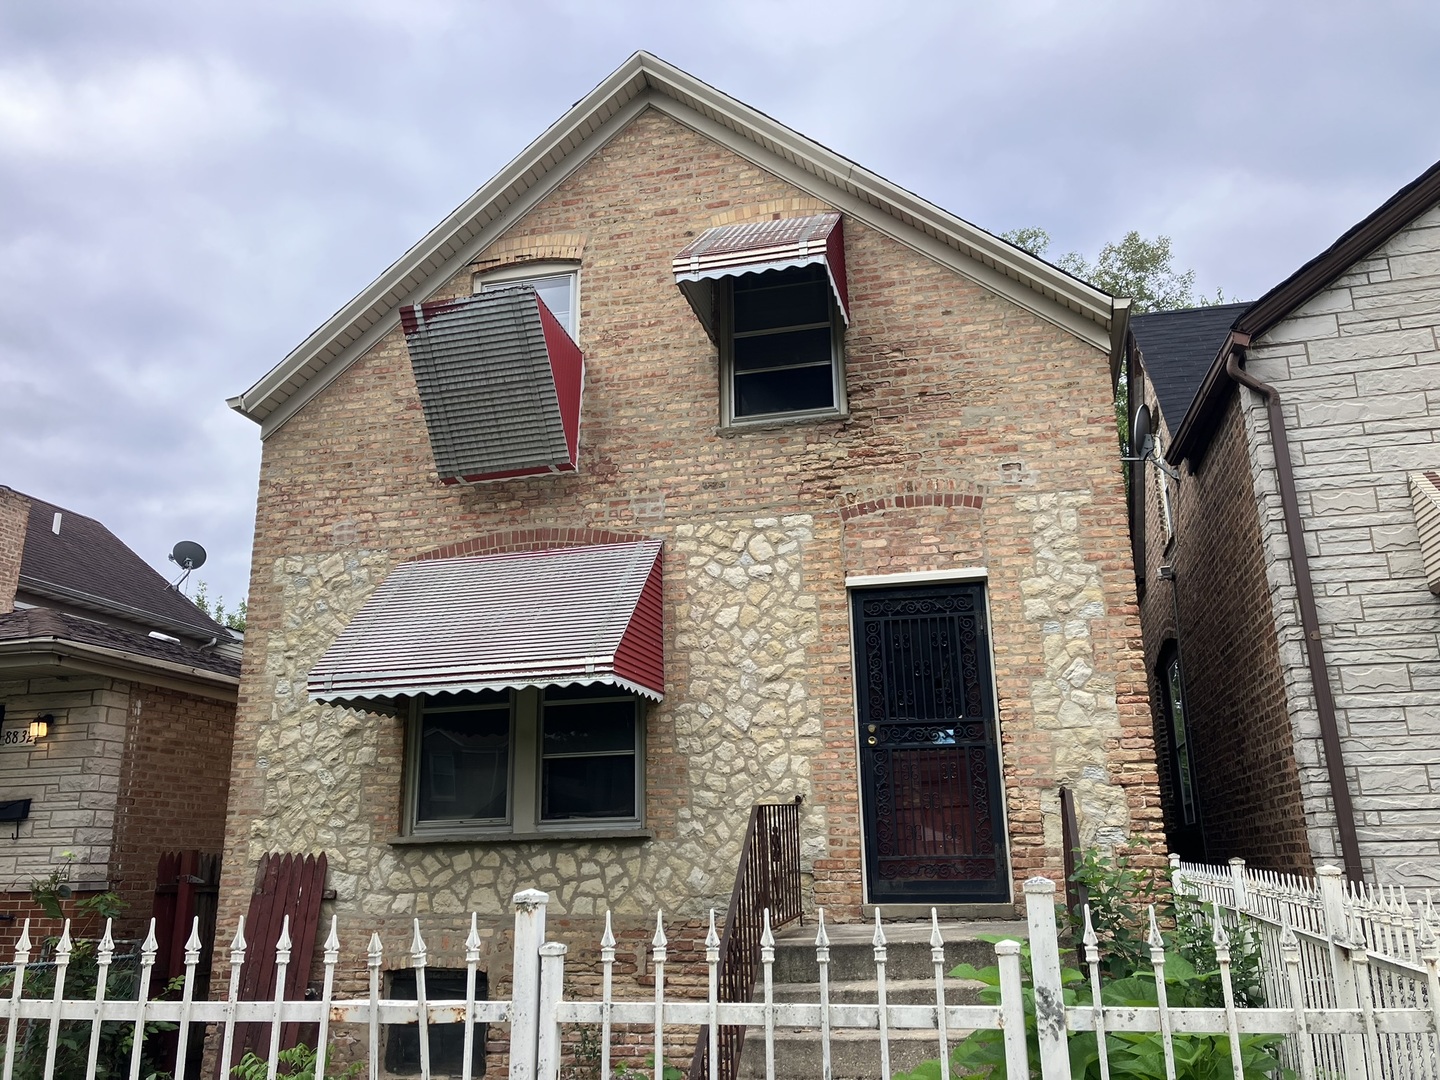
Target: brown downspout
1305, 594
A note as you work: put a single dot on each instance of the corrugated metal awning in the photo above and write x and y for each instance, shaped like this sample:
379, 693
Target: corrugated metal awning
1425, 495
500, 382
757, 246
568, 616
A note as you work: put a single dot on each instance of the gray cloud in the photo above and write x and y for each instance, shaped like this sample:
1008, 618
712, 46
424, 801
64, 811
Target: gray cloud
190, 189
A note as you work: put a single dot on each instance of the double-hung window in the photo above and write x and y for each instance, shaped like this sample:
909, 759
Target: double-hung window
781, 345
526, 761
557, 285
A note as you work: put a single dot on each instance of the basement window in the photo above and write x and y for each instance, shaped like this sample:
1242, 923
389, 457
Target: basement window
447, 1041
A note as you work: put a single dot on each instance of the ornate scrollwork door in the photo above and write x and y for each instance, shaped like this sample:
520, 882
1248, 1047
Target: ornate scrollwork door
929, 758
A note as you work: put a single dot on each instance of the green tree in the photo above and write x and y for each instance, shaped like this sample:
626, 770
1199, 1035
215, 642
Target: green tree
1144, 270
235, 620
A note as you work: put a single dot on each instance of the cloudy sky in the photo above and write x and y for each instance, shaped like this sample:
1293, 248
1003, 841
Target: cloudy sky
188, 189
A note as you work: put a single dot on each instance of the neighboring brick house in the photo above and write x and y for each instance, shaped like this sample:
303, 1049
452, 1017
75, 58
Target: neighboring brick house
136, 687
1311, 712
814, 406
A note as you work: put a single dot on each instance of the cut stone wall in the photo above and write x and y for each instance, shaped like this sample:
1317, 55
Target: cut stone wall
14, 521
1358, 370
953, 395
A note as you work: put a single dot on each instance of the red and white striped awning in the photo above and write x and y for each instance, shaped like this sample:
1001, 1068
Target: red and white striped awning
577, 615
757, 246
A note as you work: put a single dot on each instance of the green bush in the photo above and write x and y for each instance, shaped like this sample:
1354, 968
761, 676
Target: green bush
1119, 897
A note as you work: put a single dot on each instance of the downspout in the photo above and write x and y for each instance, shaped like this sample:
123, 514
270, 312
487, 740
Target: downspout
1305, 595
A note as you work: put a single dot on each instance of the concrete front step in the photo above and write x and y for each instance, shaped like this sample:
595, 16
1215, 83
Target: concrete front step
854, 1055
909, 980
907, 949
897, 992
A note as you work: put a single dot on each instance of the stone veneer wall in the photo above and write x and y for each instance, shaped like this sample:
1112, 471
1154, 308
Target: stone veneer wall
14, 521
1358, 368
954, 396
72, 776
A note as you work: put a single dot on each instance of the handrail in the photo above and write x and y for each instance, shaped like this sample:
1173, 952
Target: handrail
768, 877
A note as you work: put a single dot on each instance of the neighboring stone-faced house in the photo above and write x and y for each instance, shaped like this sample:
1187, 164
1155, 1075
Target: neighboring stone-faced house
135, 687
834, 512
1309, 722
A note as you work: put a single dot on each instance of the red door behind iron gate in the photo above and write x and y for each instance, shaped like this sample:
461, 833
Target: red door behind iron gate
929, 756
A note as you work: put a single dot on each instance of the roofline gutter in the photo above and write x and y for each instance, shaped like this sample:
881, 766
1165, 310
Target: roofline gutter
111, 607
1234, 353
117, 663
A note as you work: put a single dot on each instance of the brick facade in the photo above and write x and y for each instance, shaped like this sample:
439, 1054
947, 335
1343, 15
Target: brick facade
14, 519
177, 771
979, 435
1241, 746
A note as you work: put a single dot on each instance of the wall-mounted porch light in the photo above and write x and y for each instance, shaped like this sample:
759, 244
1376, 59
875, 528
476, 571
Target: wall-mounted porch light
40, 727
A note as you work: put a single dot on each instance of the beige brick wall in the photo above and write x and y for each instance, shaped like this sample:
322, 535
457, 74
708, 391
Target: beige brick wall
14, 518
952, 389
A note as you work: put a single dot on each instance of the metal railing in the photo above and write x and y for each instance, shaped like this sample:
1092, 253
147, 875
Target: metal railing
1373, 1039
767, 884
1338, 948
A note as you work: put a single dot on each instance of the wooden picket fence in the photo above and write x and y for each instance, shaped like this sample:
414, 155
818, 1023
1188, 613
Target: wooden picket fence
538, 1007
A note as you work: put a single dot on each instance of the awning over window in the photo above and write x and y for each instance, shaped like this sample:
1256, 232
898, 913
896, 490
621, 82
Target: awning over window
500, 383
757, 246
1425, 495
576, 615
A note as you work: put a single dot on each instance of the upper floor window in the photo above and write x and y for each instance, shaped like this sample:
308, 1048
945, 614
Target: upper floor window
557, 285
780, 345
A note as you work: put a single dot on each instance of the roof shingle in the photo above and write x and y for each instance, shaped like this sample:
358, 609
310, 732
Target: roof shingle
1178, 347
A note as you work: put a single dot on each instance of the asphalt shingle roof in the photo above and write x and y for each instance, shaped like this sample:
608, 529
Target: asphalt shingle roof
1179, 347
87, 558
27, 623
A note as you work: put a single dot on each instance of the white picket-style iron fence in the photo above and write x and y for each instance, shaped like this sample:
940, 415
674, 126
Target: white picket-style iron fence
1389, 1033
1337, 949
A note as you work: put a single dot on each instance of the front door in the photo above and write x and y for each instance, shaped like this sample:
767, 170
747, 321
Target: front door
929, 760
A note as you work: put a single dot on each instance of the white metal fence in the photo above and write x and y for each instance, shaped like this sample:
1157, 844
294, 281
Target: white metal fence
1337, 948
1382, 1033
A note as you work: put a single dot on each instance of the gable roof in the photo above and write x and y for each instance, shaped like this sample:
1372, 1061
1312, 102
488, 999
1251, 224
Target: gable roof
1194, 432
1177, 348
645, 81
87, 565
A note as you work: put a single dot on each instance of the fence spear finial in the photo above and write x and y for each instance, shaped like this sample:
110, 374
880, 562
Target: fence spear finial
376, 952
417, 948
607, 939
105, 951
332, 941
238, 943
192, 943
472, 940
822, 939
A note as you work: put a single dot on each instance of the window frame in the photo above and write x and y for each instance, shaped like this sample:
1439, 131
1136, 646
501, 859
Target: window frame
1171, 675
526, 272
524, 780
725, 334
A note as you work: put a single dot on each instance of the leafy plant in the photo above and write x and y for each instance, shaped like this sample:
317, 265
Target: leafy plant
1119, 896
1131, 1054
298, 1063
627, 1072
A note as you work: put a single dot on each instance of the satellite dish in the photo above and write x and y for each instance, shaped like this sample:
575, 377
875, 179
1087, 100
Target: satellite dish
188, 555
1141, 440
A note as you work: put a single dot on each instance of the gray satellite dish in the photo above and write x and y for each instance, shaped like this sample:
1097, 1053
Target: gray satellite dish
1141, 440
188, 555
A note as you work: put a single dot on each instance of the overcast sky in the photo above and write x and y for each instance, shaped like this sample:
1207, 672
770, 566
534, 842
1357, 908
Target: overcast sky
188, 189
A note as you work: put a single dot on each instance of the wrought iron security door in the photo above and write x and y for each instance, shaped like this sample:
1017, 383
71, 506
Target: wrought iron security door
929, 763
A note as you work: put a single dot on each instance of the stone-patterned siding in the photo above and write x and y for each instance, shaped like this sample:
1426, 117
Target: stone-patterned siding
173, 787
1358, 369
1242, 750
14, 520
72, 776
951, 389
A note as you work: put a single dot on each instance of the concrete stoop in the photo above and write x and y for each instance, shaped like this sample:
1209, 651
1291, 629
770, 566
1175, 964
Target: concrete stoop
909, 980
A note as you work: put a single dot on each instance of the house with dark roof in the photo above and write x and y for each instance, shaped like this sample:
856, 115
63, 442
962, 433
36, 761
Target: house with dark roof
688, 466
1286, 527
117, 711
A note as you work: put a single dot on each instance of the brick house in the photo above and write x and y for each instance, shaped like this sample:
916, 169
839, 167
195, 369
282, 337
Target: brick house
136, 688
837, 515
1292, 632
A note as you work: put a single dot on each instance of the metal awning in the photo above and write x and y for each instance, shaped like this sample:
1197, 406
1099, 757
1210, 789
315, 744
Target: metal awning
500, 383
568, 616
757, 246
1425, 497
